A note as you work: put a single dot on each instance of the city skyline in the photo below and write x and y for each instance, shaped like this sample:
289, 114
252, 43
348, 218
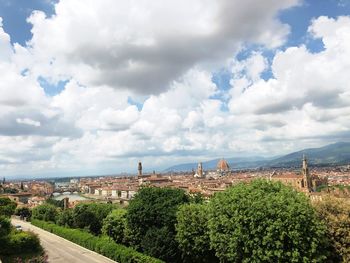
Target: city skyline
93, 87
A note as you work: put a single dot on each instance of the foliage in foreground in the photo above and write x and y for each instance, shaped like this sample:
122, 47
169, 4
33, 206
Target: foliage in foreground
114, 225
91, 216
23, 212
23, 242
151, 215
102, 245
265, 222
45, 212
7, 206
193, 233
336, 213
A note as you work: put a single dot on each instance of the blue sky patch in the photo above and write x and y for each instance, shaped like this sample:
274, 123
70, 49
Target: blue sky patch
50, 88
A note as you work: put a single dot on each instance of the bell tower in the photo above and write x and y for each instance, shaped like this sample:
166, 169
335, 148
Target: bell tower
139, 168
200, 170
306, 174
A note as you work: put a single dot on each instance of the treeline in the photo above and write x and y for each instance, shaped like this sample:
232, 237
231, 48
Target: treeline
257, 222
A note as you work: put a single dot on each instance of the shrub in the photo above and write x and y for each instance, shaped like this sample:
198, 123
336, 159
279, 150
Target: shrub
193, 233
23, 242
265, 221
65, 218
7, 206
90, 216
45, 212
155, 208
5, 227
161, 243
102, 245
335, 213
23, 212
114, 225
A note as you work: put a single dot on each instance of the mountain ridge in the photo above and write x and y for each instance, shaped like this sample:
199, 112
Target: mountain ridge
332, 154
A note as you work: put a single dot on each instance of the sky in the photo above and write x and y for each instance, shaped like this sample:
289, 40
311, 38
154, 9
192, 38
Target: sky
93, 87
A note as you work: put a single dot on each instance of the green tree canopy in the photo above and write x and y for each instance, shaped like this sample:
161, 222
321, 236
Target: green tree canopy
23, 212
192, 233
151, 212
114, 225
265, 221
155, 207
7, 206
65, 218
45, 212
5, 227
335, 213
91, 216
161, 243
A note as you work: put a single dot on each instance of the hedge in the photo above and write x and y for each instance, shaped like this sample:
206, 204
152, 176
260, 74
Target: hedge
102, 245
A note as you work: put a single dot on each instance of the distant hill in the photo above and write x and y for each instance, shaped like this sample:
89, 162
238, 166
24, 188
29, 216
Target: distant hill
333, 154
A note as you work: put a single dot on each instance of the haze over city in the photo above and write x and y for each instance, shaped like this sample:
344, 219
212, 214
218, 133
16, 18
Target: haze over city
93, 87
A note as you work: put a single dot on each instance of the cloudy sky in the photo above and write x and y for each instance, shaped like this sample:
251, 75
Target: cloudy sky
92, 87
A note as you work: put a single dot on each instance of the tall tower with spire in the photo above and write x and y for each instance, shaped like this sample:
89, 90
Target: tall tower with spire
139, 168
306, 174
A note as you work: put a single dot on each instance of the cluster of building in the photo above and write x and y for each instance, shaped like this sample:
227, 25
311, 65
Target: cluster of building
28, 193
206, 183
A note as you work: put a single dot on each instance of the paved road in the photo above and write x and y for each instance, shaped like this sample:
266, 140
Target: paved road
61, 250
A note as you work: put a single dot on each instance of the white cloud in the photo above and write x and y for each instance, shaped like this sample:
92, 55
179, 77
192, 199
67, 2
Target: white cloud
28, 122
144, 46
109, 55
308, 97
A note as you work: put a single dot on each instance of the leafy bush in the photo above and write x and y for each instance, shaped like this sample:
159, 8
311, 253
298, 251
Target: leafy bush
161, 243
102, 245
57, 203
335, 213
65, 218
7, 206
90, 216
193, 233
45, 212
151, 208
5, 227
22, 242
114, 225
265, 222
23, 212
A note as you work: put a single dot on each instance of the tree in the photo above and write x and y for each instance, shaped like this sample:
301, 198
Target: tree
23, 212
45, 212
114, 225
335, 213
57, 203
7, 206
65, 218
91, 216
161, 243
155, 208
192, 233
5, 227
265, 221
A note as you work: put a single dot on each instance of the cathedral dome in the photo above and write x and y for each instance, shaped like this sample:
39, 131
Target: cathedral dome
223, 165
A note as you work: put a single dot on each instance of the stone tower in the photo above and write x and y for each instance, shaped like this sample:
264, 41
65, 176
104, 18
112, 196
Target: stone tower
200, 170
306, 174
139, 168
